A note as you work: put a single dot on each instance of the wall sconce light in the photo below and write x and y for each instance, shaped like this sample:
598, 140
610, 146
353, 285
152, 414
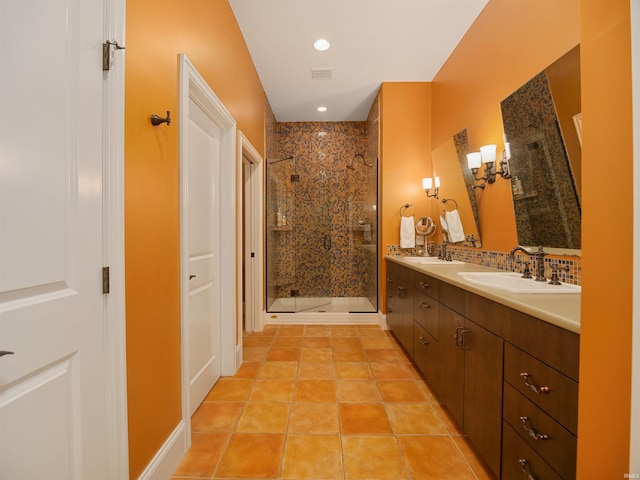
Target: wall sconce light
427, 184
487, 156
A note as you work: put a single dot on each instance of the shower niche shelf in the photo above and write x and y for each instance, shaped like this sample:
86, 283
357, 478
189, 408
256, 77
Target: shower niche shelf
285, 228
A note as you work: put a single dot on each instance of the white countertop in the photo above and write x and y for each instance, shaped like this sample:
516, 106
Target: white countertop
560, 309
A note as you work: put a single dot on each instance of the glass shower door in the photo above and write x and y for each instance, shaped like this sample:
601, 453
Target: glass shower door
314, 243
299, 240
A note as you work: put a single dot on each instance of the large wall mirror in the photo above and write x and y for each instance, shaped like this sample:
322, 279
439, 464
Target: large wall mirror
542, 123
455, 193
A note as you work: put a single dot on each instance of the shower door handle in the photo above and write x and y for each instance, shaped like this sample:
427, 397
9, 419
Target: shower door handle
327, 242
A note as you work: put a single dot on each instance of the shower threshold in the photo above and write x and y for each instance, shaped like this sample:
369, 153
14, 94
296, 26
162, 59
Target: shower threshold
336, 310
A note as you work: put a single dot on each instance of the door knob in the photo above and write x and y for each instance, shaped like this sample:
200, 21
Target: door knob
4, 352
191, 277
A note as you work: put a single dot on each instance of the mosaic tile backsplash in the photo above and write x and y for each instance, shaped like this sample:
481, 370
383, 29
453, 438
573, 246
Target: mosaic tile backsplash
501, 261
320, 211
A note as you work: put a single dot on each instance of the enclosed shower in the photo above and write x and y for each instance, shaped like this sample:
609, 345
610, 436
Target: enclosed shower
322, 221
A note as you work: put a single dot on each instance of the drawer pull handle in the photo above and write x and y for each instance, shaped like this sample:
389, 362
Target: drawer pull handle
532, 433
424, 305
532, 386
424, 284
423, 341
459, 336
526, 469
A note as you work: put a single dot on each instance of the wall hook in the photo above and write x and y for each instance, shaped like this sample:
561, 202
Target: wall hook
156, 120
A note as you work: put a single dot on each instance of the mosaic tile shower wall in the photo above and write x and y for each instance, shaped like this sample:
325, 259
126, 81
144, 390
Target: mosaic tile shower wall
321, 218
544, 195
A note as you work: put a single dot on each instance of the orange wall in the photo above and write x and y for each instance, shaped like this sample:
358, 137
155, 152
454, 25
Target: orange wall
510, 42
466, 94
157, 30
405, 158
605, 347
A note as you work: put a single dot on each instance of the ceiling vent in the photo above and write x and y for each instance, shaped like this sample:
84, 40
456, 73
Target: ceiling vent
321, 73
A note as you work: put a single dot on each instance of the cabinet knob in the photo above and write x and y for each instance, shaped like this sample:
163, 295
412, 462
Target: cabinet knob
424, 285
424, 305
532, 433
423, 341
533, 387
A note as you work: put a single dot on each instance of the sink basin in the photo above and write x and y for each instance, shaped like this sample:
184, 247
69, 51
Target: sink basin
432, 261
514, 283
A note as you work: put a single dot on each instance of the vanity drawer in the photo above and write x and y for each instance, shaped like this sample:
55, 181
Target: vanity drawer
427, 285
559, 448
553, 392
425, 353
426, 311
520, 461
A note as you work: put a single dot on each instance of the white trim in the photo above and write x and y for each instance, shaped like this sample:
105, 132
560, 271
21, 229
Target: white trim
246, 150
167, 459
194, 87
113, 250
327, 318
634, 441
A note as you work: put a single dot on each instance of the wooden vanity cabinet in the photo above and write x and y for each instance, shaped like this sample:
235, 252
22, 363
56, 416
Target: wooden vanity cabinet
471, 363
510, 380
426, 318
400, 304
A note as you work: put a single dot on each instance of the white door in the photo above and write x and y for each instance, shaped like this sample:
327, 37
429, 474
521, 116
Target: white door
203, 241
52, 387
248, 270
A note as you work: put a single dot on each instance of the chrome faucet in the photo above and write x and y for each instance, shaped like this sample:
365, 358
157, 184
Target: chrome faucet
539, 257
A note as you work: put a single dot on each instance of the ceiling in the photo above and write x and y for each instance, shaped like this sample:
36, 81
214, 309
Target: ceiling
372, 41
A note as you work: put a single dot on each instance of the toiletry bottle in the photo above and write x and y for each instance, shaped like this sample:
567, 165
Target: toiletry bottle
278, 218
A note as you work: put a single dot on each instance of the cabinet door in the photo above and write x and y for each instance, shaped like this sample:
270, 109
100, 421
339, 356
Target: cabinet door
406, 297
483, 391
451, 363
394, 306
425, 354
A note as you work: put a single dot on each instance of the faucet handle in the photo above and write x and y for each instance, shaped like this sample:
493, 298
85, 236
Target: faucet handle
554, 273
526, 273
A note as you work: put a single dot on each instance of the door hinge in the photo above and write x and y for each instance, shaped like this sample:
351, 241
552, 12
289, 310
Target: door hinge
106, 54
105, 280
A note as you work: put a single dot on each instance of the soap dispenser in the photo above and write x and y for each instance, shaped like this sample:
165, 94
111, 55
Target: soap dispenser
278, 218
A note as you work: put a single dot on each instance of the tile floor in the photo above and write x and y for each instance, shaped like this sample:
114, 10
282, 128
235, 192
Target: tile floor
325, 402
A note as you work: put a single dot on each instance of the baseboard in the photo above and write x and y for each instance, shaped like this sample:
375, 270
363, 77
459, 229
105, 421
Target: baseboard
238, 356
382, 321
168, 457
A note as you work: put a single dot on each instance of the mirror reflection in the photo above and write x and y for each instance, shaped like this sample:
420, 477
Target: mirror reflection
456, 201
541, 123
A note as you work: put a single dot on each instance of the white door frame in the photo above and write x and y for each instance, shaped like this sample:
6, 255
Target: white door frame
113, 247
194, 87
252, 231
634, 443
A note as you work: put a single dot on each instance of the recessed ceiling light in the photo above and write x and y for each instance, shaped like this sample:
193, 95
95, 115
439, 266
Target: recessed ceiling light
321, 44
321, 109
